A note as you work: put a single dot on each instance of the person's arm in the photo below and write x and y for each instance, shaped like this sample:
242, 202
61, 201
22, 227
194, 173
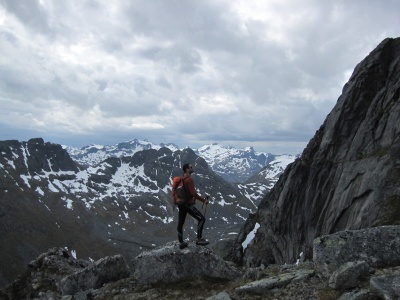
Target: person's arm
192, 190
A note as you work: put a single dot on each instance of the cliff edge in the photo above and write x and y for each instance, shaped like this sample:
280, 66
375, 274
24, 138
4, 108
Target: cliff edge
347, 177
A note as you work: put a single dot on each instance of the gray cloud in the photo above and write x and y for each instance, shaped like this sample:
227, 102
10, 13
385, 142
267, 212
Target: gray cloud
262, 73
30, 13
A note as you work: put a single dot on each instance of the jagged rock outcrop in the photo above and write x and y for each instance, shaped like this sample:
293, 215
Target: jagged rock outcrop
170, 264
348, 175
105, 270
43, 275
57, 274
196, 272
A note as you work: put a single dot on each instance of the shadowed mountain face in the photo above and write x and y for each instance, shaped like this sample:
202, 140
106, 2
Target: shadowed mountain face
119, 206
348, 177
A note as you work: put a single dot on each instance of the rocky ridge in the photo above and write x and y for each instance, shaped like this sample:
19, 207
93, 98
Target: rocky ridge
342, 268
348, 176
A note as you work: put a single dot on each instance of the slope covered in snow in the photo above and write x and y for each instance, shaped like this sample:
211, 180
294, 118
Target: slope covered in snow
234, 165
254, 173
257, 186
94, 154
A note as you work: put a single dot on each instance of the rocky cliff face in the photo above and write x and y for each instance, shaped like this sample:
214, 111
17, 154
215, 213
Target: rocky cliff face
347, 177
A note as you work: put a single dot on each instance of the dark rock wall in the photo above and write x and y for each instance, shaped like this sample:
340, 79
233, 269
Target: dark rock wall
347, 177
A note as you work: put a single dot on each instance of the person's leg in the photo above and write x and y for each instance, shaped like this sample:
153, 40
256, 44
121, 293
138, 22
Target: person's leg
181, 220
195, 213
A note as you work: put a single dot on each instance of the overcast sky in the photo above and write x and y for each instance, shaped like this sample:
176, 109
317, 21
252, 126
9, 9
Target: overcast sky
238, 73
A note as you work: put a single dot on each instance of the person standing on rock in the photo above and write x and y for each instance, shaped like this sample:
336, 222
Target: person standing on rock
190, 208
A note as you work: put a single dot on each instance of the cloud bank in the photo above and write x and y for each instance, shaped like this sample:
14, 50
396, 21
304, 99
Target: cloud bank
239, 73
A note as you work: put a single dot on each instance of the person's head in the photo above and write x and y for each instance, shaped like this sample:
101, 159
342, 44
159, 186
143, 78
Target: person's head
187, 167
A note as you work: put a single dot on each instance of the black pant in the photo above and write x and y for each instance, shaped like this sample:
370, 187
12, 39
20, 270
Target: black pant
191, 210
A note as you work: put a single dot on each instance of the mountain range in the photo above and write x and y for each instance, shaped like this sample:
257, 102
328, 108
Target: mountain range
115, 197
254, 173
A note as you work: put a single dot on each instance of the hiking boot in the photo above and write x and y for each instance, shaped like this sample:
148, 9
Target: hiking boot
202, 242
183, 245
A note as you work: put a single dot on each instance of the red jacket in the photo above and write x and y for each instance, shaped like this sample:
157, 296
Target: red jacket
189, 186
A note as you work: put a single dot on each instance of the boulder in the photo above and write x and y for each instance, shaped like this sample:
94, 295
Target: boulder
378, 246
386, 287
223, 247
349, 275
168, 264
359, 295
262, 286
102, 271
220, 296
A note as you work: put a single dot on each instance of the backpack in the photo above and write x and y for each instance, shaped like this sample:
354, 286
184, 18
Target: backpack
179, 194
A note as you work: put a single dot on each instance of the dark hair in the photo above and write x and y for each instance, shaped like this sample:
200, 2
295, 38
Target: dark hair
185, 167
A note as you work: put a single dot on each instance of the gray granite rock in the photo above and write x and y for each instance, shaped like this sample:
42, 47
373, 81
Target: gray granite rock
378, 246
386, 287
171, 264
220, 296
262, 286
349, 275
359, 295
102, 271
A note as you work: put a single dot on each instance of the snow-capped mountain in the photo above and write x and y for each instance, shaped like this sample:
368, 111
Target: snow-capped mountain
94, 154
234, 165
255, 173
257, 186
